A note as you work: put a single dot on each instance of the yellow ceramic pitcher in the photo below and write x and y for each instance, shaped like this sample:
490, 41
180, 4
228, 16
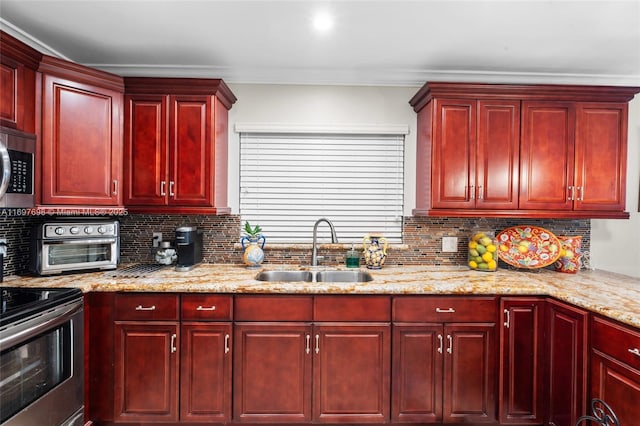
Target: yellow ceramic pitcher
375, 250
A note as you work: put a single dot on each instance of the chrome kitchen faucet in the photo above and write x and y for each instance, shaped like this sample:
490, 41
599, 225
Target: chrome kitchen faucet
334, 239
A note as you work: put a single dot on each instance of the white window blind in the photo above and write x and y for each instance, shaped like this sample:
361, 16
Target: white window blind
288, 181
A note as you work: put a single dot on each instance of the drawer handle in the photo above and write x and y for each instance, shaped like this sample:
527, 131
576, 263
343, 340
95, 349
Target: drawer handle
202, 308
143, 308
445, 311
635, 351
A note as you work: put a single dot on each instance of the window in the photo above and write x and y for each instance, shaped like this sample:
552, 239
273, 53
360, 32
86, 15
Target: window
288, 181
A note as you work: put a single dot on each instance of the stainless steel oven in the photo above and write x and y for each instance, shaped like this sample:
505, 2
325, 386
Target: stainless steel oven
41, 357
17, 152
75, 245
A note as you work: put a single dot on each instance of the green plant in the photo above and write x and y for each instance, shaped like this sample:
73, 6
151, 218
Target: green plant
252, 232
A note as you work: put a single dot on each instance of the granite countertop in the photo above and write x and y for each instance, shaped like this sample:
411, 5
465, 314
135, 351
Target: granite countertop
612, 295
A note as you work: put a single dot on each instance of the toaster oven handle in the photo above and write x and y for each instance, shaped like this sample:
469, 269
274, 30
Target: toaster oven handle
83, 241
6, 169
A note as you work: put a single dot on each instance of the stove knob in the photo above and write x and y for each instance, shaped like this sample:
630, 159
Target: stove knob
101, 230
88, 229
59, 230
74, 230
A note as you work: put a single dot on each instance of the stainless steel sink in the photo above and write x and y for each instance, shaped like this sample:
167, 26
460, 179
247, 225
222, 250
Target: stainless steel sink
343, 276
333, 276
288, 276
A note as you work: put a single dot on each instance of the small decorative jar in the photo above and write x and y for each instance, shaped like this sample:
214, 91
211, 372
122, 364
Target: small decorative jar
375, 250
483, 251
570, 254
253, 248
165, 254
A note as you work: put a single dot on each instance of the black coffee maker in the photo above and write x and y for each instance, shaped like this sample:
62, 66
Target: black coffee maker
188, 247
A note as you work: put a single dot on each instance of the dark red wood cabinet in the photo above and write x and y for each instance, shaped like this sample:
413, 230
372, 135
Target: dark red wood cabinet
175, 145
521, 150
81, 135
18, 65
522, 361
615, 368
444, 360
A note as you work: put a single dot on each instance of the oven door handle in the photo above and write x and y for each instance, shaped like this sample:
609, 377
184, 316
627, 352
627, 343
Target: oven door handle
6, 169
35, 326
83, 241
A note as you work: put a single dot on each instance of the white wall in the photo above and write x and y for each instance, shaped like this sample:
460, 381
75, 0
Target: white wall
615, 244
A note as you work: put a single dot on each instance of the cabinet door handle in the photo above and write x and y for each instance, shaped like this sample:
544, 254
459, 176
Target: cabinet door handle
507, 320
307, 348
226, 343
440, 344
163, 184
202, 308
317, 343
450, 348
635, 351
144, 308
115, 187
173, 343
572, 193
480, 196
580, 193
171, 193
445, 311
472, 194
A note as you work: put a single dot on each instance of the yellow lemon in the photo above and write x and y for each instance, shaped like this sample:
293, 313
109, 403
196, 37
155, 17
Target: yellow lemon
487, 257
478, 236
491, 248
472, 244
485, 241
492, 264
473, 264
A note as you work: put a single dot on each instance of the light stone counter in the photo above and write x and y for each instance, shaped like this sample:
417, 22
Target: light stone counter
612, 295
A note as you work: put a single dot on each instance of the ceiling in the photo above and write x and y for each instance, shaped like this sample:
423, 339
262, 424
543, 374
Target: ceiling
370, 42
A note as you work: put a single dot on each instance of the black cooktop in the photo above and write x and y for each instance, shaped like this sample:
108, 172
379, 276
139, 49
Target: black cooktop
17, 303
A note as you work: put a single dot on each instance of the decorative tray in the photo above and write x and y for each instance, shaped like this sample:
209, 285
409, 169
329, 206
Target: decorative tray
529, 247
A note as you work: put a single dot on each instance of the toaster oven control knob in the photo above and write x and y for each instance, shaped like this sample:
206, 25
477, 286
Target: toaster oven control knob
59, 230
88, 229
74, 230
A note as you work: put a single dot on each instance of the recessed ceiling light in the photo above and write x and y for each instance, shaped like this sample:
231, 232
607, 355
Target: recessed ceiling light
322, 22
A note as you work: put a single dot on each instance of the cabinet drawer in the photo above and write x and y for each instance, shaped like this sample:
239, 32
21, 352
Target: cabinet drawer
352, 308
203, 307
147, 306
273, 308
620, 342
444, 309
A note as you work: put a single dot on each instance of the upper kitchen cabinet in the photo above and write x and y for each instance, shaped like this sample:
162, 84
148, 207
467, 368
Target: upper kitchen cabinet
81, 134
175, 145
18, 65
521, 151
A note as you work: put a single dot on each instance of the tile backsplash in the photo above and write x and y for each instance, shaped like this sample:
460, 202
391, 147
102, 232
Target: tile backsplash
422, 239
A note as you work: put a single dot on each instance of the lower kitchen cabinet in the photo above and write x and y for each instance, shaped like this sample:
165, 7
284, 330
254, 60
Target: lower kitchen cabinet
615, 368
522, 358
566, 394
444, 360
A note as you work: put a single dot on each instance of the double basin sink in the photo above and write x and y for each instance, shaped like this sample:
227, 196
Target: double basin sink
326, 276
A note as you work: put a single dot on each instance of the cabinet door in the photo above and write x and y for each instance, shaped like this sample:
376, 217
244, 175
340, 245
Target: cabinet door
601, 156
547, 155
469, 373
497, 155
146, 371
272, 372
454, 157
567, 364
351, 373
416, 394
11, 78
145, 150
81, 144
205, 372
191, 151
522, 357
617, 384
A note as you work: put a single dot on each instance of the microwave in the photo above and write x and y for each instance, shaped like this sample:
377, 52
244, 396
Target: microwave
17, 168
